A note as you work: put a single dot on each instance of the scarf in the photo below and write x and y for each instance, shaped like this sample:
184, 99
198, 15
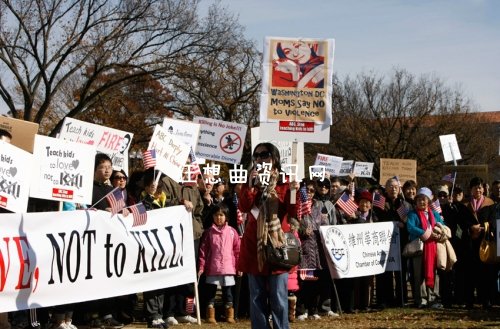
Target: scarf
268, 221
430, 248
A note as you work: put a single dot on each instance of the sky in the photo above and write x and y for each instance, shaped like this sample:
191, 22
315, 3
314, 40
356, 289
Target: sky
457, 41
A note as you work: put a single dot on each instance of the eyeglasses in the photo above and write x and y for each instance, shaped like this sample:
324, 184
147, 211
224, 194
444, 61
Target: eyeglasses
311, 190
262, 155
120, 178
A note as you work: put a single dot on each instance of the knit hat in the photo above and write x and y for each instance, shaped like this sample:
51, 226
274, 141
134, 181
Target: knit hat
365, 195
425, 191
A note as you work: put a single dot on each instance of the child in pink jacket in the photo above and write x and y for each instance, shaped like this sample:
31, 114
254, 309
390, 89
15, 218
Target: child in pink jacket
219, 252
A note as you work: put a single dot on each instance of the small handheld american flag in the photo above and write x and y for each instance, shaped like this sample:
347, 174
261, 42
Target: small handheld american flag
347, 204
450, 177
139, 214
304, 204
436, 206
402, 211
378, 200
149, 158
115, 200
195, 167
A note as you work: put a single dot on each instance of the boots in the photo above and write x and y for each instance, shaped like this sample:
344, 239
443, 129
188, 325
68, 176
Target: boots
292, 303
211, 314
230, 315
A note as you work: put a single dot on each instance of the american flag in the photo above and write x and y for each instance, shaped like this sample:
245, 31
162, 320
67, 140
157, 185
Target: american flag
347, 204
239, 216
436, 206
304, 203
139, 213
115, 200
195, 167
450, 177
378, 200
402, 211
149, 158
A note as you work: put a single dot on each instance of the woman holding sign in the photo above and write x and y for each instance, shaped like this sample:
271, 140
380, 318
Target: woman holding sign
266, 200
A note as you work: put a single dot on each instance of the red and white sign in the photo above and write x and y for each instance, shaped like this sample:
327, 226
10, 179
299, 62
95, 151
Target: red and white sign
297, 126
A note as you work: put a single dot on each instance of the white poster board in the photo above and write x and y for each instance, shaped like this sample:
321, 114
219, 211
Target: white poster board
73, 256
346, 167
355, 250
285, 149
171, 153
62, 170
449, 145
220, 140
331, 163
363, 169
15, 175
186, 131
113, 142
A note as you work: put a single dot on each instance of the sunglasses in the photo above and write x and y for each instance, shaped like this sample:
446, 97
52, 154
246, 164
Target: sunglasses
262, 155
311, 190
120, 178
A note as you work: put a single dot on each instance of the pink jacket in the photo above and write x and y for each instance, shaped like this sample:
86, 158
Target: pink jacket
219, 251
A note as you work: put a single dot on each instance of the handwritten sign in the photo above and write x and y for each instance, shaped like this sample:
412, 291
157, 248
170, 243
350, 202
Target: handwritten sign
64, 170
15, 175
405, 169
113, 142
363, 169
171, 152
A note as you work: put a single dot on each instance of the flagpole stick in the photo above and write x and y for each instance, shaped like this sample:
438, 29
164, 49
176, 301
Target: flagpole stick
293, 190
197, 297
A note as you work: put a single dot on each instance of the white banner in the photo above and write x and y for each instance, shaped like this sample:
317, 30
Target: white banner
186, 131
113, 142
63, 170
449, 146
220, 140
356, 250
67, 257
171, 153
15, 175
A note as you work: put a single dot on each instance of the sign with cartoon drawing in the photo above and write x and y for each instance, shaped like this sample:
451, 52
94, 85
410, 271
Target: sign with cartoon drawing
297, 80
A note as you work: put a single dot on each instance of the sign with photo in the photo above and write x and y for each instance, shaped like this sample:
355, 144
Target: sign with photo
62, 170
15, 175
186, 131
113, 142
346, 167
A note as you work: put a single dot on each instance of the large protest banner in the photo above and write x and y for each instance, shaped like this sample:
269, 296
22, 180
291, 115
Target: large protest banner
15, 175
64, 170
361, 249
113, 142
57, 258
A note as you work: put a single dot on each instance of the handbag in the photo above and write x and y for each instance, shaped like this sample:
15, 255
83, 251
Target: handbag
413, 248
286, 256
488, 247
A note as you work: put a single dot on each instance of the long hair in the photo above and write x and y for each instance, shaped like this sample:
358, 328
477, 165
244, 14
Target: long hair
275, 154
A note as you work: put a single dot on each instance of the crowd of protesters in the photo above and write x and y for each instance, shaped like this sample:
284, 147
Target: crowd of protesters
230, 222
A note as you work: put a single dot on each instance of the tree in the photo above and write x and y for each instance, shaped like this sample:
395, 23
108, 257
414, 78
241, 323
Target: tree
48, 45
401, 117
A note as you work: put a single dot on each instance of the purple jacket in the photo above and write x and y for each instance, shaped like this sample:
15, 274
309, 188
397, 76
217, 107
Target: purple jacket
219, 251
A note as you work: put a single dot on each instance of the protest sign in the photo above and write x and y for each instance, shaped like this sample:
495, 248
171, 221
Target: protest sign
113, 142
363, 169
285, 149
404, 169
361, 249
53, 258
331, 163
297, 80
171, 153
23, 132
450, 149
15, 175
63, 170
220, 140
346, 167
317, 133
187, 132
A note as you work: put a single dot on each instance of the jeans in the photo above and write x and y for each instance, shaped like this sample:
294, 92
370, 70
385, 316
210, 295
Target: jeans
269, 292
